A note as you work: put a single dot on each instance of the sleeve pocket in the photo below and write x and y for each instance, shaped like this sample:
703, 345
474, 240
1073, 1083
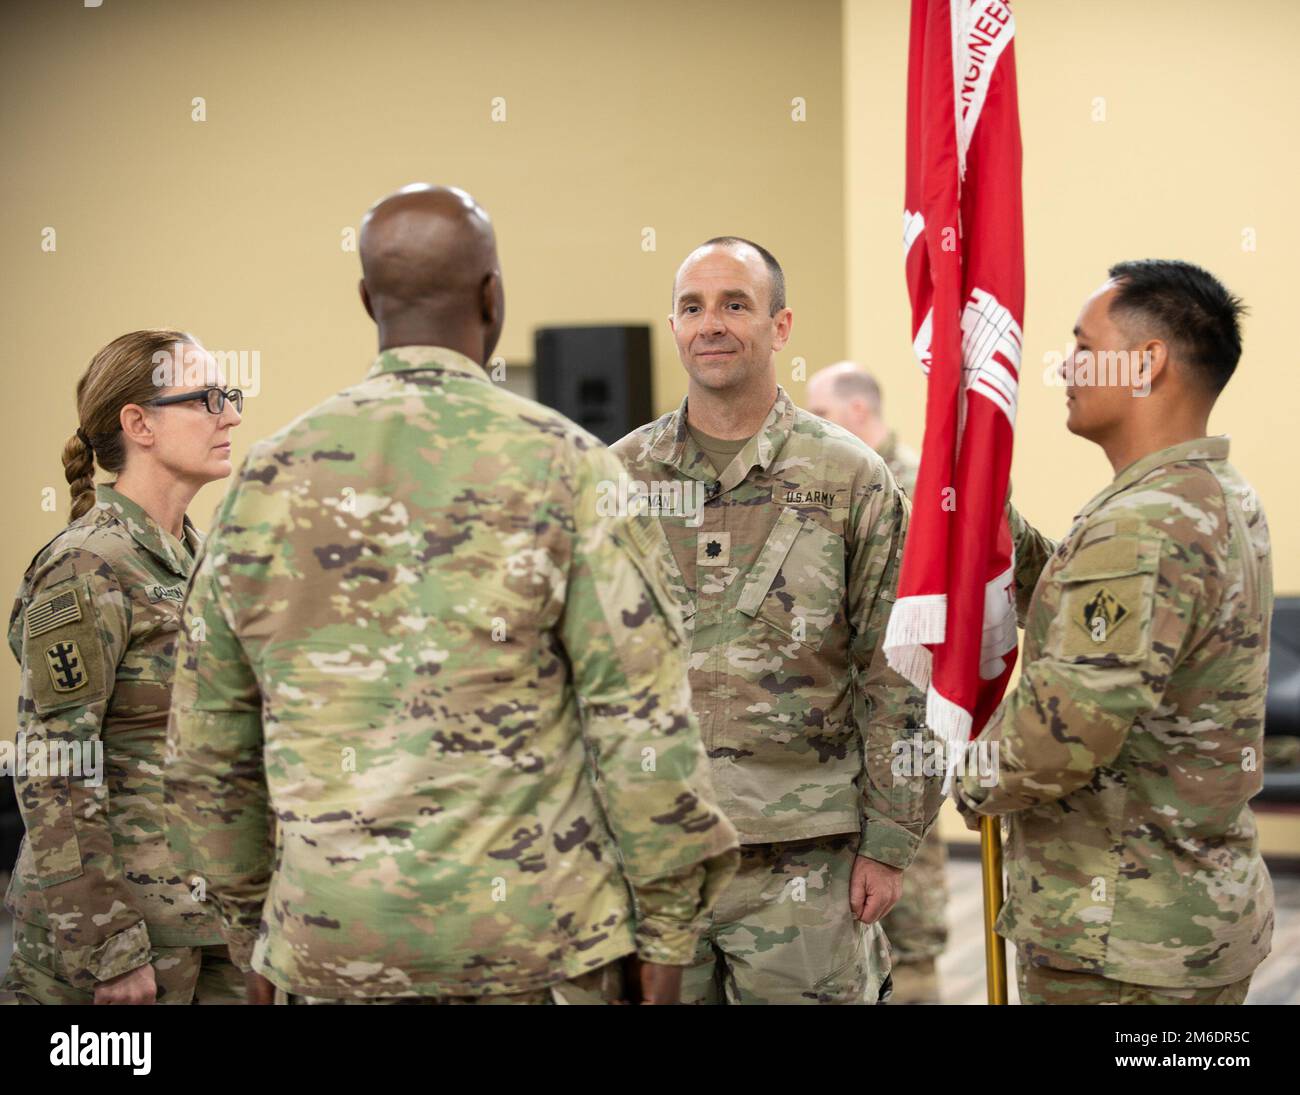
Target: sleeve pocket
56, 852
641, 549
65, 663
1107, 589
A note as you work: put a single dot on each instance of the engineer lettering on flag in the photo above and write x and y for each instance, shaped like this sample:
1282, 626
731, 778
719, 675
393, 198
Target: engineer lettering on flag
953, 628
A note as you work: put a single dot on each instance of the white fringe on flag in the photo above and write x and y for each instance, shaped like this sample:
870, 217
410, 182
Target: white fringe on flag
921, 620
951, 724
912, 663
914, 622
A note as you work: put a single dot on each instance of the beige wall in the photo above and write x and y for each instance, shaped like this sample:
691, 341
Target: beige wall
674, 116
1201, 140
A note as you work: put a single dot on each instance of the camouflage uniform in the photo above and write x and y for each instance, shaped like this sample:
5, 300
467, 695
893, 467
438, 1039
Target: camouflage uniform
1046, 985
95, 892
785, 587
604, 985
418, 641
1131, 745
917, 927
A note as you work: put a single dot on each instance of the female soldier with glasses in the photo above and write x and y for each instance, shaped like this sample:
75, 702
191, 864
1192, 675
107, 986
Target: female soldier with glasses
100, 913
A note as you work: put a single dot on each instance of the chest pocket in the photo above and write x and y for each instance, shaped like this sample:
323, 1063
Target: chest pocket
797, 582
1106, 593
155, 629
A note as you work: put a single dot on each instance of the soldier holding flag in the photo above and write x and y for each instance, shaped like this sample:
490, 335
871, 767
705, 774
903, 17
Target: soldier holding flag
1133, 741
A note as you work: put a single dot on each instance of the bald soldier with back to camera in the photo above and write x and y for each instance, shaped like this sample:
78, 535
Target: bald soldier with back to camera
785, 576
420, 643
1132, 742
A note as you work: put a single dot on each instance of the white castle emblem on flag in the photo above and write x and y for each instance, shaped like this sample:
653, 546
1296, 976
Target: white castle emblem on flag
990, 352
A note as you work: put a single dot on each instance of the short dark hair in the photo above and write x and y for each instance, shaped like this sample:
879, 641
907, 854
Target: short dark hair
775, 274
1189, 308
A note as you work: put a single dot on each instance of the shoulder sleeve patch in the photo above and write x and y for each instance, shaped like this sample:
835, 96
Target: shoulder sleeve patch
66, 664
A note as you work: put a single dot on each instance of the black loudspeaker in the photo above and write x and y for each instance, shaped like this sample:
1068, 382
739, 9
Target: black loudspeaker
597, 376
11, 823
1282, 704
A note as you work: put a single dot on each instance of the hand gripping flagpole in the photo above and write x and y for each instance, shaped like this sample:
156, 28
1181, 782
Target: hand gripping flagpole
995, 947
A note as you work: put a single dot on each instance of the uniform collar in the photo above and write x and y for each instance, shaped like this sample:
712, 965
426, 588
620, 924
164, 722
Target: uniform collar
888, 447
401, 359
146, 532
673, 445
1200, 448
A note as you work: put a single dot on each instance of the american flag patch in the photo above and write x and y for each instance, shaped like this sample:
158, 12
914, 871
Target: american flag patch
62, 608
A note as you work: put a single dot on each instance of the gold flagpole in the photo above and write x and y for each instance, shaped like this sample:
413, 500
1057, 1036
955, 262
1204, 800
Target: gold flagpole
995, 948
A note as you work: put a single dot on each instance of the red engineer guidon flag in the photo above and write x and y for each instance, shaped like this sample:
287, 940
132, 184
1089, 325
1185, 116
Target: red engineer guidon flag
953, 628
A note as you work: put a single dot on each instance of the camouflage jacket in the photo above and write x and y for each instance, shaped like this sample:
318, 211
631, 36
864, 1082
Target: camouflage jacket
420, 642
1132, 743
785, 576
902, 461
94, 628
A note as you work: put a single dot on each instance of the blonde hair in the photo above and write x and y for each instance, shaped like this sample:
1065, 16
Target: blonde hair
121, 373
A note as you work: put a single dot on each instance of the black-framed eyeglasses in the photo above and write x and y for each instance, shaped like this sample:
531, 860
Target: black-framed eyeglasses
213, 398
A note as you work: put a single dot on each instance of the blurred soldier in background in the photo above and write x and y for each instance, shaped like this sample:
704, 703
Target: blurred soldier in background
413, 641
849, 396
917, 927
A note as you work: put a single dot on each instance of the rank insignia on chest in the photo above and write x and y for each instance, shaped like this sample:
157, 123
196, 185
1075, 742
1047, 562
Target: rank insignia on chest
63, 659
713, 549
1101, 614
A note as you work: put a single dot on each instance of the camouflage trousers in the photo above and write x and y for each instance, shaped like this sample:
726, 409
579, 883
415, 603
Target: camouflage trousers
1045, 985
184, 975
599, 986
782, 932
917, 927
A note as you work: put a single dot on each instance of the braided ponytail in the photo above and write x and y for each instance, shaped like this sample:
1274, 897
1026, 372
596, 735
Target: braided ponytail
79, 468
